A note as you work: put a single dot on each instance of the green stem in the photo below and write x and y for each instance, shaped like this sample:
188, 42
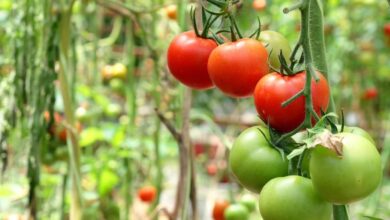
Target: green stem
340, 212
74, 150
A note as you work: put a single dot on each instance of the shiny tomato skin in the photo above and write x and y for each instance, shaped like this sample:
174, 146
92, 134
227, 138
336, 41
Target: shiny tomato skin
274, 89
253, 161
147, 193
236, 67
219, 209
350, 177
292, 198
187, 60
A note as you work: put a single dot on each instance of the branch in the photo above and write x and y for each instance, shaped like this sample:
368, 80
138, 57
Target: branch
177, 135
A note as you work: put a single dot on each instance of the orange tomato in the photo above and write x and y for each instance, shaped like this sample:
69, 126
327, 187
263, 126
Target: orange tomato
212, 169
259, 5
171, 12
147, 193
219, 209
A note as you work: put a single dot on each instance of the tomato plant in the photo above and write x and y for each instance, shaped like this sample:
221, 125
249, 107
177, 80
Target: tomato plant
236, 212
274, 89
261, 163
351, 174
275, 43
219, 209
292, 198
187, 57
235, 67
147, 193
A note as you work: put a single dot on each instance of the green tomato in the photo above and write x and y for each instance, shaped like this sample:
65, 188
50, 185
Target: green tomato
253, 161
349, 177
236, 212
292, 198
358, 131
248, 201
275, 42
113, 109
117, 85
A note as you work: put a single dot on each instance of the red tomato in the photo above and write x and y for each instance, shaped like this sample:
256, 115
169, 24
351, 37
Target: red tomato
147, 193
273, 89
370, 93
212, 169
259, 5
62, 133
187, 60
236, 67
199, 149
219, 209
386, 29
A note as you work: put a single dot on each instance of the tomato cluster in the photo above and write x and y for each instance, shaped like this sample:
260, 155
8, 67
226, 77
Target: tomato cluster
333, 168
334, 177
241, 210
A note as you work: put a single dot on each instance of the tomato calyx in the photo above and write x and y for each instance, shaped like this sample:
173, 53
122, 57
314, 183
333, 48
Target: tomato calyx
329, 141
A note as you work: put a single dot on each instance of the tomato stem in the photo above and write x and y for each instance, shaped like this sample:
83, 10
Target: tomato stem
293, 98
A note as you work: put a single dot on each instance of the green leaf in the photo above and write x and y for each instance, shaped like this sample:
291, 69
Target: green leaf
296, 152
90, 136
107, 181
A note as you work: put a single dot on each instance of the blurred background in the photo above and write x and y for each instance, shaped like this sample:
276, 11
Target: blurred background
116, 74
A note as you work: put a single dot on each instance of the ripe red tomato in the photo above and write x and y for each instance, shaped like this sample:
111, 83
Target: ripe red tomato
386, 29
236, 67
219, 209
187, 60
370, 93
147, 193
259, 5
198, 149
273, 89
212, 169
62, 132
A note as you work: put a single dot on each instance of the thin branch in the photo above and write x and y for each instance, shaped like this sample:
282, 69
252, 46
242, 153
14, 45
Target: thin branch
169, 126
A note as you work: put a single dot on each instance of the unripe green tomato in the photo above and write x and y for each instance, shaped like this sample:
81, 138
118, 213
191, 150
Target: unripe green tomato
351, 176
253, 161
292, 198
275, 42
358, 131
113, 110
249, 201
236, 212
117, 85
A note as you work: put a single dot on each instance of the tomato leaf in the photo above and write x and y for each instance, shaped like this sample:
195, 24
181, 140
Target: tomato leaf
297, 152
